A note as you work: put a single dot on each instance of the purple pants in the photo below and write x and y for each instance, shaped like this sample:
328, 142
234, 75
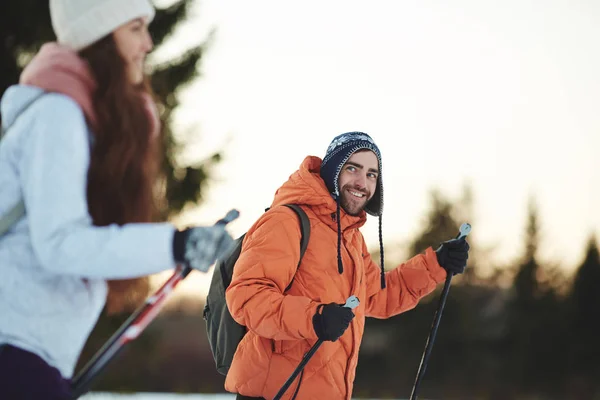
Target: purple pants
23, 375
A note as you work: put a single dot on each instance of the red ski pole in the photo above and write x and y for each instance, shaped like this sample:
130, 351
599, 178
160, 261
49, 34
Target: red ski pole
132, 327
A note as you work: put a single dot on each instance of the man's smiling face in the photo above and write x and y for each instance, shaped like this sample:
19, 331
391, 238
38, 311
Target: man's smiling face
358, 181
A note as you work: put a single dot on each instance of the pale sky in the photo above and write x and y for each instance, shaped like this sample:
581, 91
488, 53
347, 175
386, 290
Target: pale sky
502, 94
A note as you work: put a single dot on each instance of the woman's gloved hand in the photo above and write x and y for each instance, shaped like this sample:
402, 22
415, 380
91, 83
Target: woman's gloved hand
199, 247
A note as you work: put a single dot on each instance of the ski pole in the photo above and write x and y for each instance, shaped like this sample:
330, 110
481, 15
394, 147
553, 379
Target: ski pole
465, 229
352, 302
133, 326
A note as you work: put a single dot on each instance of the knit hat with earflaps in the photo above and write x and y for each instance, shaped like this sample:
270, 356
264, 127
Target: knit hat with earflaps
339, 151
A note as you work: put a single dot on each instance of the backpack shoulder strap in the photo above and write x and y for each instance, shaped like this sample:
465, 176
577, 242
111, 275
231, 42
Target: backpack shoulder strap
305, 231
304, 228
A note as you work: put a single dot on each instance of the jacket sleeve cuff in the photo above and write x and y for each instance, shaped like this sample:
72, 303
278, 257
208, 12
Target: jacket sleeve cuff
179, 239
435, 269
310, 329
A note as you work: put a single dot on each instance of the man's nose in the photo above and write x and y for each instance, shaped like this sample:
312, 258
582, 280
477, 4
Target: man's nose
360, 182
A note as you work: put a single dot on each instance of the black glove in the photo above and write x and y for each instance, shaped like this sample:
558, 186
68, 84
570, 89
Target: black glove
452, 255
331, 321
199, 247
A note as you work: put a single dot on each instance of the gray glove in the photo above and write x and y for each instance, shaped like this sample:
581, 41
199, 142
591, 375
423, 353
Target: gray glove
199, 247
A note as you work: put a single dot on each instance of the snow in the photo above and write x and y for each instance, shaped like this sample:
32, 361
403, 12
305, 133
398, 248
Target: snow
157, 396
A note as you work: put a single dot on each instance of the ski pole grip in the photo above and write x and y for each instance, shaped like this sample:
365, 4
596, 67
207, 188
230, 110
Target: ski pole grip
464, 230
352, 302
231, 215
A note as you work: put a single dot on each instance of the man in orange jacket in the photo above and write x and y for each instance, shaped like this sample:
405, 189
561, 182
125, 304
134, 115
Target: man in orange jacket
283, 323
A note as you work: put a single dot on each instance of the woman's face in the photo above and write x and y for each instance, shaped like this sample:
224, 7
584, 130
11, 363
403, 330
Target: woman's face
134, 43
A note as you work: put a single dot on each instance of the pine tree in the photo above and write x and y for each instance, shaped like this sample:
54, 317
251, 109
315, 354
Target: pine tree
584, 324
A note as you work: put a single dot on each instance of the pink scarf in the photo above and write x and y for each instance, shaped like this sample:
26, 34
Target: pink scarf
58, 69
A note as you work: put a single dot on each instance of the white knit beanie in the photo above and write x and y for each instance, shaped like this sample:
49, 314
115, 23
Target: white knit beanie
79, 23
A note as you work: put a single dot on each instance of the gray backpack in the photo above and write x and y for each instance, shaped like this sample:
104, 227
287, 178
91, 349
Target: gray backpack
14, 214
223, 332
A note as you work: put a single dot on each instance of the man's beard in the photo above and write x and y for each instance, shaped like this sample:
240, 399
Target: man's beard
351, 204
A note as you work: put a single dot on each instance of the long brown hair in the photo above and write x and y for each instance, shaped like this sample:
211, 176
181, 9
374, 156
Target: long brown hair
124, 161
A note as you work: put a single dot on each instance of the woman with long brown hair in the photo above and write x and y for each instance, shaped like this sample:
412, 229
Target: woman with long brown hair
82, 152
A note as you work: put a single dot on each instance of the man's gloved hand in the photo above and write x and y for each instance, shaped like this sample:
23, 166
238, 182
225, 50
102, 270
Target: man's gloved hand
331, 321
452, 255
199, 247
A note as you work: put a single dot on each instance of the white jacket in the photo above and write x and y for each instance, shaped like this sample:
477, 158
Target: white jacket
54, 262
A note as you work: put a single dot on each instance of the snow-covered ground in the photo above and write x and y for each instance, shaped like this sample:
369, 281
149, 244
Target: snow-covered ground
156, 396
